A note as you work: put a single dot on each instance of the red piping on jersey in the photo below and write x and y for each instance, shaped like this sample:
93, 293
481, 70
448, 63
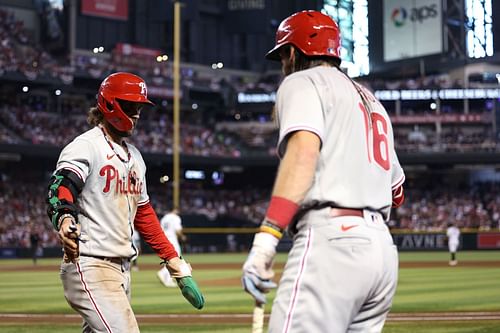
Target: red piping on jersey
76, 171
148, 225
91, 298
398, 197
297, 283
398, 183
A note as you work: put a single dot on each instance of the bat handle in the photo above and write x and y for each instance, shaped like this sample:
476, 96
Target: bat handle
258, 318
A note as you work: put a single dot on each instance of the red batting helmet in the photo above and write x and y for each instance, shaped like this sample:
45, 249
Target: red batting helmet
121, 86
312, 32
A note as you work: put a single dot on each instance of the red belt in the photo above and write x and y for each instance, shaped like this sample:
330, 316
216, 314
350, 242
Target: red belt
337, 212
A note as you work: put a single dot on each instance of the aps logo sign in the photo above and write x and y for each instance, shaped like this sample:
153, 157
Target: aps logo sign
400, 15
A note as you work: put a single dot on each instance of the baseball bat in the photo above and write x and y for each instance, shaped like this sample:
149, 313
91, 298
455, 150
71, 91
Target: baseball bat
258, 318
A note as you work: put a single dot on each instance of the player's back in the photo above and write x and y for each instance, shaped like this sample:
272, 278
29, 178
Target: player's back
453, 233
357, 159
171, 224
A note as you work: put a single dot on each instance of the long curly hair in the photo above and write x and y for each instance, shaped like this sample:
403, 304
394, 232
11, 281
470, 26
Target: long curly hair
94, 117
303, 61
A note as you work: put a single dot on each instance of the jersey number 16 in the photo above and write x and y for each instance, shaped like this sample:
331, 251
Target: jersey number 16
380, 145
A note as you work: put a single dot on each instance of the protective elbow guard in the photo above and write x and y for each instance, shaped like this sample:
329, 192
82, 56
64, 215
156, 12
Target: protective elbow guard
57, 207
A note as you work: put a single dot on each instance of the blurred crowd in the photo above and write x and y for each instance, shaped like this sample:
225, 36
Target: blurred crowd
28, 119
36, 120
154, 134
21, 54
23, 208
420, 139
22, 124
441, 81
477, 206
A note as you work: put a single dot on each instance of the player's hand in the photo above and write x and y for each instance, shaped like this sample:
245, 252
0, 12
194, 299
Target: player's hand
69, 233
178, 267
257, 269
181, 271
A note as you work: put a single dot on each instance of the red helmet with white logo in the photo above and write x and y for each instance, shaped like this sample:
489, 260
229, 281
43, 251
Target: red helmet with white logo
121, 86
312, 32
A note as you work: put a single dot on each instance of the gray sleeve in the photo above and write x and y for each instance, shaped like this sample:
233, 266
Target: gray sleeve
298, 107
77, 157
144, 196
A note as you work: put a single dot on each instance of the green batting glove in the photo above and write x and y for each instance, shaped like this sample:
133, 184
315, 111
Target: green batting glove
191, 292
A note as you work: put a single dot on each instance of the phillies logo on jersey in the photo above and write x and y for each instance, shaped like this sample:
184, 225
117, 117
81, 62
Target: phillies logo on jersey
113, 181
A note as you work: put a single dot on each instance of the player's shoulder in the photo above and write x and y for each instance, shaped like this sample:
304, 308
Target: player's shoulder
317, 76
298, 81
305, 74
90, 135
135, 152
133, 149
84, 139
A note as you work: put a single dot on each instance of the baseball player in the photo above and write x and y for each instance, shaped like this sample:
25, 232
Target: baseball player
453, 234
97, 196
136, 240
171, 224
337, 180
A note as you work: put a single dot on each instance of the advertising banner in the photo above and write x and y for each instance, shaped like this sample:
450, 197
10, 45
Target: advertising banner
412, 28
488, 241
113, 9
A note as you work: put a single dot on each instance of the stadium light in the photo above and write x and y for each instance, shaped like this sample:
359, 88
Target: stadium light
98, 49
161, 58
217, 65
26, 89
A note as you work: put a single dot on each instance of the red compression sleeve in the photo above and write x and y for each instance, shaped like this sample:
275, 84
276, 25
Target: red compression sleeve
398, 197
64, 193
148, 225
281, 211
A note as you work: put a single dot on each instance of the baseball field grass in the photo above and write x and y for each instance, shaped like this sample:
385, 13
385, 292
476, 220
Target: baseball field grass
431, 296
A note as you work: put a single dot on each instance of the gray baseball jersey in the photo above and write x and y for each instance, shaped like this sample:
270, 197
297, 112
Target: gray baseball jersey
115, 186
341, 272
358, 166
113, 189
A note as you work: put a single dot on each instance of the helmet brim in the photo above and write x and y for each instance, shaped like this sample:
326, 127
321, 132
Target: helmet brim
274, 53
